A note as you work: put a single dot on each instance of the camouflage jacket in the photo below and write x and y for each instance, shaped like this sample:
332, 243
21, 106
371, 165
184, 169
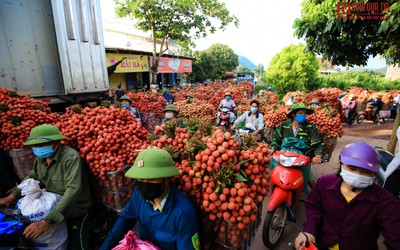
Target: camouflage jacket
308, 133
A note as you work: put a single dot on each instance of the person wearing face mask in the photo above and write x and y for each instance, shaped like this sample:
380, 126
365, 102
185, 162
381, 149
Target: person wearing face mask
254, 119
171, 112
126, 103
228, 103
315, 103
60, 170
348, 210
297, 127
164, 216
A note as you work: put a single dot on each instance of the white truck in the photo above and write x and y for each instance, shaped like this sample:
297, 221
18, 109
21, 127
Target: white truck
53, 49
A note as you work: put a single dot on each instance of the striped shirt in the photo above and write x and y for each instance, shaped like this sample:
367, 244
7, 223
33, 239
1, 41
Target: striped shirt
355, 224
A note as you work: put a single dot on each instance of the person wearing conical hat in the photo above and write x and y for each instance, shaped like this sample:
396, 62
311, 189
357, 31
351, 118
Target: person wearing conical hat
59, 168
164, 216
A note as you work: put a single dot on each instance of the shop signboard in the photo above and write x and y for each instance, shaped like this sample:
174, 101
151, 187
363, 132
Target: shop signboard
173, 65
132, 63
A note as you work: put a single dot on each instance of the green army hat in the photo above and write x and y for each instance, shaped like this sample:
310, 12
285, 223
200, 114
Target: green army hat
153, 163
43, 134
298, 106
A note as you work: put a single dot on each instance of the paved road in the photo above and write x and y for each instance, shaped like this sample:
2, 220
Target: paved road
291, 232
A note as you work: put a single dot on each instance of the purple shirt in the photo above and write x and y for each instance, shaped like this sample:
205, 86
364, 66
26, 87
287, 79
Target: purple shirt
355, 224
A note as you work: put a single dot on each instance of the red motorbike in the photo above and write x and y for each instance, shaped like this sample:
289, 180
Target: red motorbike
224, 118
286, 187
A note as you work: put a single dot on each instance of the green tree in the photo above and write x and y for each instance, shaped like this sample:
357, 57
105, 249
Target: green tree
179, 20
213, 62
243, 69
362, 79
200, 67
222, 59
293, 69
349, 41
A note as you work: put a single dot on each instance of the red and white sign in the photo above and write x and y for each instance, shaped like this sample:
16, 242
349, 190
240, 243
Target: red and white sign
173, 65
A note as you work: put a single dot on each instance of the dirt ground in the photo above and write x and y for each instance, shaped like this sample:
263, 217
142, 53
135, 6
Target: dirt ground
368, 132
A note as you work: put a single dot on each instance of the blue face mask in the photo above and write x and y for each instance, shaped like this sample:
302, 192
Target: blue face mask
43, 152
126, 105
301, 118
253, 109
314, 104
228, 98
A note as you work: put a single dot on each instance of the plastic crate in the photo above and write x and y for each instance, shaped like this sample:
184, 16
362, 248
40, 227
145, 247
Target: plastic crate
115, 200
115, 181
22, 159
151, 120
114, 191
226, 234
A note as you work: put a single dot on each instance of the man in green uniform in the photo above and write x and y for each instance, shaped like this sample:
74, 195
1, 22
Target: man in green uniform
59, 170
299, 128
171, 112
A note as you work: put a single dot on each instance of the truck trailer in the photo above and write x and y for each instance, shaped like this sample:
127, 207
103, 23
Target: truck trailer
53, 49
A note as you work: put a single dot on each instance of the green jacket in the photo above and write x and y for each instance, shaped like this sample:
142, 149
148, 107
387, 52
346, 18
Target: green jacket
308, 133
67, 177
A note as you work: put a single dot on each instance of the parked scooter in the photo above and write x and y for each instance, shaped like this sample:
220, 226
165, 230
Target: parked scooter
286, 187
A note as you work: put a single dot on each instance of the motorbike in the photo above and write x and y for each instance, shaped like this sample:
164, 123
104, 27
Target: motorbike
224, 118
385, 115
286, 187
12, 225
308, 245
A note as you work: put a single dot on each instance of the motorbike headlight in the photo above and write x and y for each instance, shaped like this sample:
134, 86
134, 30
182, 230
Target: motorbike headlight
287, 161
301, 163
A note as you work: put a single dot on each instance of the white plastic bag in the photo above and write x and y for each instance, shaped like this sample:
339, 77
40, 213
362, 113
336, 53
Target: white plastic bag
35, 206
384, 113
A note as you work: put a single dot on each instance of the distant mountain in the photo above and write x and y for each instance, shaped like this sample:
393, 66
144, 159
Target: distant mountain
243, 61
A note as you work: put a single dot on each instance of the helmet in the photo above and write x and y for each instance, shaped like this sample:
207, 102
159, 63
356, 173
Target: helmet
228, 94
125, 97
170, 107
298, 106
361, 155
314, 101
190, 95
43, 134
153, 163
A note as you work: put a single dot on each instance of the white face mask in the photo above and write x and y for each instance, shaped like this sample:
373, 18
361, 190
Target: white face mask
356, 180
169, 115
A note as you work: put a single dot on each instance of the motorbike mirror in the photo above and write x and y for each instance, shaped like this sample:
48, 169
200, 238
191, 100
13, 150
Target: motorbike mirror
290, 213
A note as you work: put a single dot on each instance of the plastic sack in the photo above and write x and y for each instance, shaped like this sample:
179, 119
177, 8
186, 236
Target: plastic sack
35, 206
384, 113
132, 242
